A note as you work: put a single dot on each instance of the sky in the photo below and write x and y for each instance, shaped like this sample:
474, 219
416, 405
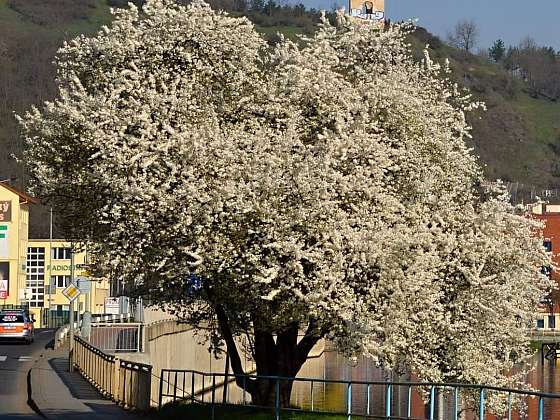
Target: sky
510, 20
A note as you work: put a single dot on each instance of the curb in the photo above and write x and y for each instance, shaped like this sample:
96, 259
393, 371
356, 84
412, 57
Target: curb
30, 402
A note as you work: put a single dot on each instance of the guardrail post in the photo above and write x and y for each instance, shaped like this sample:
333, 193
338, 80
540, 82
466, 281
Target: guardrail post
117, 397
509, 405
213, 393
144, 388
481, 406
192, 387
311, 395
244, 389
456, 403
368, 400
277, 399
160, 390
409, 402
175, 386
388, 401
349, 401
432, 402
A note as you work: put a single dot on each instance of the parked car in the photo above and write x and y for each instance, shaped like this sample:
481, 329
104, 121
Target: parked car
16, 324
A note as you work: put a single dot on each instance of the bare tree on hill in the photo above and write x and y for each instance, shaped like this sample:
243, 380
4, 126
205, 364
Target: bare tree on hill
464, 35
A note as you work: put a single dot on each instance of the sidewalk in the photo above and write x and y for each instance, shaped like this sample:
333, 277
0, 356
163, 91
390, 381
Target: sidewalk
59, 394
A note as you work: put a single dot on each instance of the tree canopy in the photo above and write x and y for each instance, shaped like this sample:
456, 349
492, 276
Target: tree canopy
323, 188
497, 51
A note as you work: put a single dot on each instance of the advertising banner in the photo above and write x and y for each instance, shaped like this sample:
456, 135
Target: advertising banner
4, 248
4, 279
5, 211
112, 305
371, 11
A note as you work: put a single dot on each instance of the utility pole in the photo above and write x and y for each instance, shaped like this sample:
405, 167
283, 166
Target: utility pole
71, 318
49, 312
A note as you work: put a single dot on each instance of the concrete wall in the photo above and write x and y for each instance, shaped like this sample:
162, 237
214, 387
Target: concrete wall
152, 314
172, 345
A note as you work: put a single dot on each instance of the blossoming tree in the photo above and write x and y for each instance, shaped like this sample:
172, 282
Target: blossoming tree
323, 190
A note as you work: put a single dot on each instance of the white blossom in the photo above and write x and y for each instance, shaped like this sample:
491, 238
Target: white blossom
324, 185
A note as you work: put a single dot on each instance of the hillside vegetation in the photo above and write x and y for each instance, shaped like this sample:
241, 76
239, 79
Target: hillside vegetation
517, 137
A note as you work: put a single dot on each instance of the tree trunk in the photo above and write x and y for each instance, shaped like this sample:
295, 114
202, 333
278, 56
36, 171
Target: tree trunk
277, 361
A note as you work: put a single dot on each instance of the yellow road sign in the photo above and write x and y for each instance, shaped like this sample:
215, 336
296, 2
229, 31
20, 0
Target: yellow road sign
71, 292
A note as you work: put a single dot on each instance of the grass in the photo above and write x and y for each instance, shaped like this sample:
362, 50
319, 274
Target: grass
13, 22
543, 117
290, 32
197, 411
99, 16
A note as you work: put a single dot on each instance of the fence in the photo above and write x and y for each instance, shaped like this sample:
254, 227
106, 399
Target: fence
522, 193
125, 382
116, 337
358, 396
61, 333
112, 317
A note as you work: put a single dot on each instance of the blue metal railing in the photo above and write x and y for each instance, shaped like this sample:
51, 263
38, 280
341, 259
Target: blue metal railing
174, 383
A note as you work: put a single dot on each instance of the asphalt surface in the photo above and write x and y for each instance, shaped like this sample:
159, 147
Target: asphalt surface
16, 359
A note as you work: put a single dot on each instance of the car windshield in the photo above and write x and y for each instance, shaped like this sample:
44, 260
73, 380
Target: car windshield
8, 318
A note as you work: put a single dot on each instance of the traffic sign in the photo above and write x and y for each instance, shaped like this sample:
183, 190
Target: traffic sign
25, 293
3, 294
84, 284
71, 292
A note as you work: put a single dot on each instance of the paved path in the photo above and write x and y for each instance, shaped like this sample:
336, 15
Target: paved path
60, 394
16, 359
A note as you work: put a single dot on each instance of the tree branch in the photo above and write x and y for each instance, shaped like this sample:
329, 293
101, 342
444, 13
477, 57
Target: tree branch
233, 353
311, 337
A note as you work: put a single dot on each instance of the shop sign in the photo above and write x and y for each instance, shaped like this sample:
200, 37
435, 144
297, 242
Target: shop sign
5, 211
66, 267
4, 244
4, 280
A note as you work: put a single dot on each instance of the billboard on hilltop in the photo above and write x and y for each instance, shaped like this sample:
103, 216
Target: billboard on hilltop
368, 11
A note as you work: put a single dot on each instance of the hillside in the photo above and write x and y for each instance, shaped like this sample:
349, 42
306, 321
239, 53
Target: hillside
517, 138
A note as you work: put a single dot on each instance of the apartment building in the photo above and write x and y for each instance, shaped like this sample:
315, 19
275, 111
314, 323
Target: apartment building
34, 272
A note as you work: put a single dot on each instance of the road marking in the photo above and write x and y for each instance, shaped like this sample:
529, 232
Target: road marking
25, 358
3, 358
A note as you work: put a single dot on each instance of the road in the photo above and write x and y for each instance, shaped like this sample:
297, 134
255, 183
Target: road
16, 359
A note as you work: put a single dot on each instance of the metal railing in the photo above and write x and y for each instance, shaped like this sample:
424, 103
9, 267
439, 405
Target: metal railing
62, 332
116, 337
127, 383
112, 317
539, 332
359, 396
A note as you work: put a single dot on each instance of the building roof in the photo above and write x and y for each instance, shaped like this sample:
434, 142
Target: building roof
23, 198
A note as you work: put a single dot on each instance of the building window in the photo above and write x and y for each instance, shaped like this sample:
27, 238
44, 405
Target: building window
60, 281
60, 309
540, 323
548, 245
552, 321
35, 278
61, 253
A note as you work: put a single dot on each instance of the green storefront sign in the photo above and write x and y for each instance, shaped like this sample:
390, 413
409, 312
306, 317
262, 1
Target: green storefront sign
65, 267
